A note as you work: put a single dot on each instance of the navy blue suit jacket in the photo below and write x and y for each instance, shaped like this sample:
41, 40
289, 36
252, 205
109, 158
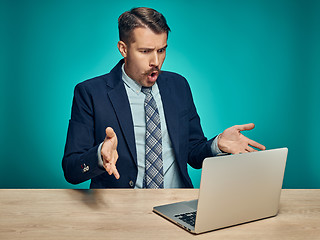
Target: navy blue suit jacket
102, 102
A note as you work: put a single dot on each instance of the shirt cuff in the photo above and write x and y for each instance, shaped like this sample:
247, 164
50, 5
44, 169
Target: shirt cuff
215, 149
100, 161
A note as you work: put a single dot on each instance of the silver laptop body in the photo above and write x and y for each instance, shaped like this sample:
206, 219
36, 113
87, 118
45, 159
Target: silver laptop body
234, 189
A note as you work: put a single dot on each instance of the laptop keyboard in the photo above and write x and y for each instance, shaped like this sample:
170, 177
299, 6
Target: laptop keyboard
189, 217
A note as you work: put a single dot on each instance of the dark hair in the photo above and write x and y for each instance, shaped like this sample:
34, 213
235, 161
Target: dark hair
141, 17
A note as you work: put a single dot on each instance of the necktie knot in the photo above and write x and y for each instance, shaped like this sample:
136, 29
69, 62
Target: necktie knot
146, 90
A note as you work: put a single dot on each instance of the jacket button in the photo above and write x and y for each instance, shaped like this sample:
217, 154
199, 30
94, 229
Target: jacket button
131, 183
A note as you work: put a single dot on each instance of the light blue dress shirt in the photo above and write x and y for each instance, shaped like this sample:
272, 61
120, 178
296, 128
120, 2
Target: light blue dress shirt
172, 178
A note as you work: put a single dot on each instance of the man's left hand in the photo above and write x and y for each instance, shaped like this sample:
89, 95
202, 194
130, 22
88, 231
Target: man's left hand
232, 141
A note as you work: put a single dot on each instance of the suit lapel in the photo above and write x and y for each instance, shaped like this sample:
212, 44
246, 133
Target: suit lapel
170, 112
119, 99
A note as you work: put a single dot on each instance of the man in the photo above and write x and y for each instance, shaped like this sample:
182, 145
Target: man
137, 127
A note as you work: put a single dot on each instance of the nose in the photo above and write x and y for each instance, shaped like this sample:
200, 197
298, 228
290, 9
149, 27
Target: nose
154, 60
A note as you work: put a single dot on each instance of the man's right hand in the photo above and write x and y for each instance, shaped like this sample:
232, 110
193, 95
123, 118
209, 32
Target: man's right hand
109, 152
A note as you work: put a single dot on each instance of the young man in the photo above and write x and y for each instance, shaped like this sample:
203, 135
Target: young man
138, 122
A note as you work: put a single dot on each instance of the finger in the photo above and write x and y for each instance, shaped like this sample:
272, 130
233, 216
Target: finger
110, 133
245, 127
115, 171
250, 149
107, 166
256, 145
111, 137
111, 169
110, 164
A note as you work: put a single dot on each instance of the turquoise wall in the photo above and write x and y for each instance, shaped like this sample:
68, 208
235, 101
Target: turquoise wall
246, 61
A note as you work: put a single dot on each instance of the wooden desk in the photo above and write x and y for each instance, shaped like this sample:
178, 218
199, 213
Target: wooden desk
127, 214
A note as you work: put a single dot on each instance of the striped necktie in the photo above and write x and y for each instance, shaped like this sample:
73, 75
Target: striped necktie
154, 164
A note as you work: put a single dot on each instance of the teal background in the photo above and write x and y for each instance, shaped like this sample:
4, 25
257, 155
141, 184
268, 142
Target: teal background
246, 61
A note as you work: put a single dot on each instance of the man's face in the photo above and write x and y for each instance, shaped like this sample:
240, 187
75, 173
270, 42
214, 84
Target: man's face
144, 57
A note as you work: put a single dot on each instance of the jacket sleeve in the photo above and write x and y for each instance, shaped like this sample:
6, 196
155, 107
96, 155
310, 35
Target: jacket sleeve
80, 160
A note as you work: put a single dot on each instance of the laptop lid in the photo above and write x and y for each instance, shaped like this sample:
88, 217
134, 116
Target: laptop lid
234, 189
240, 188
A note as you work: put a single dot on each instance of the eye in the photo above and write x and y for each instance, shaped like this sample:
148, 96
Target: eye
145, 51
161, 50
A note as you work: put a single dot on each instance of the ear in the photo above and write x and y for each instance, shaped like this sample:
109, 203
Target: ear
122, 48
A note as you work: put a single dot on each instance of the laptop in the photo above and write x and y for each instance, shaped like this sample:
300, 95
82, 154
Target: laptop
234, 189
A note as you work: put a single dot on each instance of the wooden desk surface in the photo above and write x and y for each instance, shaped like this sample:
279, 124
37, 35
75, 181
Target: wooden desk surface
127, 214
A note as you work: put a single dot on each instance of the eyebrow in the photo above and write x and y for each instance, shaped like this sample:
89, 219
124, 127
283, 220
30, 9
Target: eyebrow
146, 48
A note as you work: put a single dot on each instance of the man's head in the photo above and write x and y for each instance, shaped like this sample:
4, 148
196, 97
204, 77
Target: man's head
143, 41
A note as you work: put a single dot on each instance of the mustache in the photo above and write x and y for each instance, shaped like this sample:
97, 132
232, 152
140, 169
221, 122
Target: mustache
154, 69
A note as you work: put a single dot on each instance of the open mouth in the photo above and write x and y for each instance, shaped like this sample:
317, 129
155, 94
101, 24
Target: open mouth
153, 76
